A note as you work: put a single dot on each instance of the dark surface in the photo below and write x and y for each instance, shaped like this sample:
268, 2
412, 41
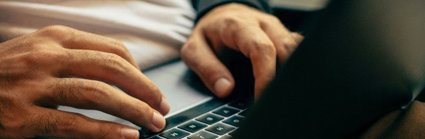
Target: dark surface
204, 6
293, 19
360, 60
244, 113
242, 104
421, 96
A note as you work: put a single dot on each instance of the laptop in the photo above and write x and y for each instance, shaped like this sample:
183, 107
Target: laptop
360, 60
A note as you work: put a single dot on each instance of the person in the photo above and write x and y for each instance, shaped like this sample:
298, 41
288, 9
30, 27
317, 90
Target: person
59, 65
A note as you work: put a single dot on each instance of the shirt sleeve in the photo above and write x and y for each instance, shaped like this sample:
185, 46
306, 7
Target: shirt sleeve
203, 6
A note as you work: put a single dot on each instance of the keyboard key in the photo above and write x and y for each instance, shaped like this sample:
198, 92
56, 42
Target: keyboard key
232, 133
235, 120
244, 113
174, 134
203, 135
226, 111
239, 104
220, 128
192, 126
209, 119
225, 137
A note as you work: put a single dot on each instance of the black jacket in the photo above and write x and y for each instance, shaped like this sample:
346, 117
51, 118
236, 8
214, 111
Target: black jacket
203, 6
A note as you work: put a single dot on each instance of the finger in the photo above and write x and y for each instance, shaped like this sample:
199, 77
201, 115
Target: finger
83, 40
90, 94
53, 123
256, 45
297, 37
200, 58
114, 69
281, 37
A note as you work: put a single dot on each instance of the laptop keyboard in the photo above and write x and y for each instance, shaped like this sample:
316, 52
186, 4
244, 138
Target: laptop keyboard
217, 123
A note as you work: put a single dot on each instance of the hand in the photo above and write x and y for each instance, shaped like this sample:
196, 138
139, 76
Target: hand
259, 36
37, 73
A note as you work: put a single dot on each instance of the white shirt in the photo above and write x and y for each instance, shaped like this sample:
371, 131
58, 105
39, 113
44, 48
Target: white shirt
153, 30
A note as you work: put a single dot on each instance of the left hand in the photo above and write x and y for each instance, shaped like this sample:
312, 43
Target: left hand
59, 65
259, 36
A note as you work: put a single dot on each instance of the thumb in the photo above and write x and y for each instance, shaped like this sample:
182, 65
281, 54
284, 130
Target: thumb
200, 58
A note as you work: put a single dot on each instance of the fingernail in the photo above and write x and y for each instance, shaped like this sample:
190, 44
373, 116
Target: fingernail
158, 120
129, 133
164, 107
222, 85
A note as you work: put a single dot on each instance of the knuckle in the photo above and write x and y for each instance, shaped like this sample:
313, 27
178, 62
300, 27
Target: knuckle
95, 92
235, 25
113, 59
84, 93
50, 126
232, 20
188, 55
11, 121
13, 118
146, 111
156, 101
263, 47
108, 62
69, 124
67, 90
119, 45
54, 30
45, 124
42, 56
114, 63
48, 54
119, 48
188, 48
272, 18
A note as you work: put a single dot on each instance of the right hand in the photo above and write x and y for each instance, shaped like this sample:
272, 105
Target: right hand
37, 73
259, 36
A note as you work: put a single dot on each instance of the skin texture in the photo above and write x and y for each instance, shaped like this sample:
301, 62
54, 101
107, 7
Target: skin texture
259, 36
59, 65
